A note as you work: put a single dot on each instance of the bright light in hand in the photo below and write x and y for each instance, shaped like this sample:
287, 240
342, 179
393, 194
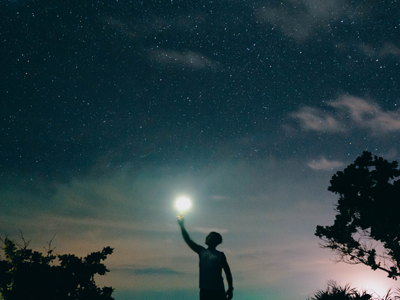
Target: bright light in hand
183, 203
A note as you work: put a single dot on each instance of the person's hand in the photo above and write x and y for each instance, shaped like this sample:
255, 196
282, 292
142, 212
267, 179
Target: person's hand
229, 294
180, 220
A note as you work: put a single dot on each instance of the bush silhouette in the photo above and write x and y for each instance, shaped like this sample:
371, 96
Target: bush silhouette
336, 292
27, 274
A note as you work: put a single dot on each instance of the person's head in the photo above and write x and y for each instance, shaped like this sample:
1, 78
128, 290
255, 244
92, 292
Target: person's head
213, 239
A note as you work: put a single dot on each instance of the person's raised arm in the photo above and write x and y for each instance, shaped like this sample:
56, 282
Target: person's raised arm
227, 270
196, 248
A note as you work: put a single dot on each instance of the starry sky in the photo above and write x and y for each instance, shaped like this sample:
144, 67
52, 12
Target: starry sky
109, 110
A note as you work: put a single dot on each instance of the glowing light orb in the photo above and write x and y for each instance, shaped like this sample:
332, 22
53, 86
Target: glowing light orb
183, 203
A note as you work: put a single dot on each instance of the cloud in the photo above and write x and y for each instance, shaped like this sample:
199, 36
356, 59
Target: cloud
388, 49
219, 198
368, 115
119, 25
188, 59
324, 164
147, 271
299, 18
359, 109
314, 119
351, 112
367, 49
208, 230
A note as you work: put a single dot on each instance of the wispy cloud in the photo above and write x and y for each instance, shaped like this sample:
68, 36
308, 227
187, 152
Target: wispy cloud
219, 198
367, 49
299, 18
324, 164
188, 59
206, 230
350, 113
368, 115
315, 119
388, 49
121, 26
147, 271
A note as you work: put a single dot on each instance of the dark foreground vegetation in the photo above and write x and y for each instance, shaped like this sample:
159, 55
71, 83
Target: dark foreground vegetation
366, 229
28, 274
368, 215
337, 292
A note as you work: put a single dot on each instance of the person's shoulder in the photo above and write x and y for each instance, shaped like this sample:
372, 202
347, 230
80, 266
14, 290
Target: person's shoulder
219, 251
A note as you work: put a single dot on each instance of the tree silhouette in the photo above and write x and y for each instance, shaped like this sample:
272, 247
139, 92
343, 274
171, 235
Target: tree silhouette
27, 274
368, 218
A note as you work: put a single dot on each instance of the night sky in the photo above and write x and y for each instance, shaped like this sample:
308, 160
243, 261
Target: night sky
109, 110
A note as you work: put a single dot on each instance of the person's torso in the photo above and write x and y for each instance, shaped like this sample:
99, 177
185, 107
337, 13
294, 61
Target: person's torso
211, 269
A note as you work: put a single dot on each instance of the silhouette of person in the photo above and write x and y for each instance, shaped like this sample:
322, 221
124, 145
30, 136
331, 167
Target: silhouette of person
211, 264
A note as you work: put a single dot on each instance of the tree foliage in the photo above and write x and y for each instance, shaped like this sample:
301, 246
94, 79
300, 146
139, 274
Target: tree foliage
366, 229
27, 274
